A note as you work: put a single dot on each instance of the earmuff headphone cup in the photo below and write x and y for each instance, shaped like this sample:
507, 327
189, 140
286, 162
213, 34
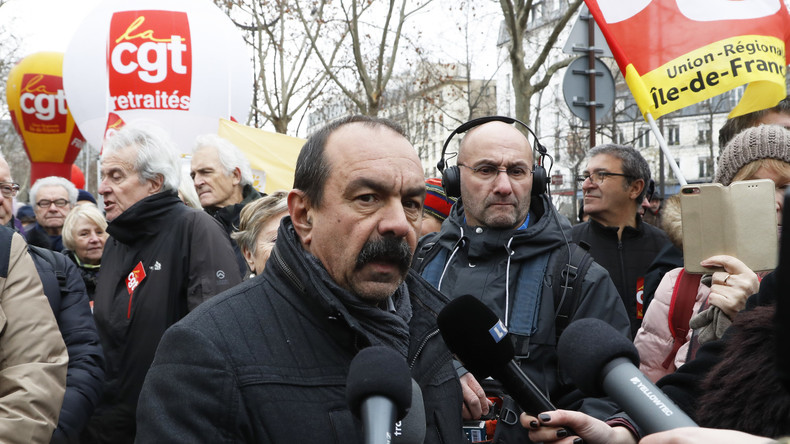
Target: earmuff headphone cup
451, 181
540, 181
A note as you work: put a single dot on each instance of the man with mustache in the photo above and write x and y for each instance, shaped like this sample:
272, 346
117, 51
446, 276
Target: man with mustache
614, 183
268, 360
504, 245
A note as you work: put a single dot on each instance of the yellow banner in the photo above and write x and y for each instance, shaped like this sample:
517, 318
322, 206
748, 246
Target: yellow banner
713, 70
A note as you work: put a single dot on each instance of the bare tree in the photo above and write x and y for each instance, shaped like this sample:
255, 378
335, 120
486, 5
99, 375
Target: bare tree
286, 80
372, 31
530, 75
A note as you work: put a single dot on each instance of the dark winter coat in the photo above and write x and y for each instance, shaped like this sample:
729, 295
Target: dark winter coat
69, 301
229, 217
626, 259
186, 258
267, 361
477, 261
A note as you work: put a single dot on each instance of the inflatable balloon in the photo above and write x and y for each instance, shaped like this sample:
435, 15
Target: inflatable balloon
181, 64
38, 108
77, 176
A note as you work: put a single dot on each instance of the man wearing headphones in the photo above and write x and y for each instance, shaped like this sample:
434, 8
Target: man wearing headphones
504, 244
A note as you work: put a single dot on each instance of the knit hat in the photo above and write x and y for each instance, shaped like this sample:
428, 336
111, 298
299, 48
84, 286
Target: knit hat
85, 195
436, 202
755, 143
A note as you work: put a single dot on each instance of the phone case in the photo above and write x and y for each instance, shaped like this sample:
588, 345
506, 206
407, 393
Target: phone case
738, 220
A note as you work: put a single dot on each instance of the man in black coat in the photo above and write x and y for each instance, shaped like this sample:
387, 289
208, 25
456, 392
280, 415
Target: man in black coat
268, 360
162, 260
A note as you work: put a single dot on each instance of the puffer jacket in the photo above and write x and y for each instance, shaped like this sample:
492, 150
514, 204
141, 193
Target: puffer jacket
267, 362
654, 339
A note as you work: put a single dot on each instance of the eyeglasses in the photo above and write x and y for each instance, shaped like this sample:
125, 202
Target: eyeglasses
598, 177
9, 189
488, 172
60, 203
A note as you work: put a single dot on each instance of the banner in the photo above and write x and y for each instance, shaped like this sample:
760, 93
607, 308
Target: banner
272, 156
674, 53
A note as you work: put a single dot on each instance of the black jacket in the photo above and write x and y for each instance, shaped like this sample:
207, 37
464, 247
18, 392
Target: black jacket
90, 274
66, 293
229, 217
267, 361
626, 259
186, 259
477, 260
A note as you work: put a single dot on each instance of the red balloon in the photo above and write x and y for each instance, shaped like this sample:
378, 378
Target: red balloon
77, 177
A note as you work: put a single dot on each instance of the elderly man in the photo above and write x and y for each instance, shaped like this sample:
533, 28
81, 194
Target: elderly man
268, 360
51, 198
161, 261
614, 185
504, 244
223, 181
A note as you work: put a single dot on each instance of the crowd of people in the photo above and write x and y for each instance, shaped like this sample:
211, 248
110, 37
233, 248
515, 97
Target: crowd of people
191, 307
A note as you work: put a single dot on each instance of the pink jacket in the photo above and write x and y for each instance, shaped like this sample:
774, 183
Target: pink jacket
654, 338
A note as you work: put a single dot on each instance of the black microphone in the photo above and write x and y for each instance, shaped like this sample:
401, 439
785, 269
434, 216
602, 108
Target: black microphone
378, 391
411, 429
481, 342
601, 361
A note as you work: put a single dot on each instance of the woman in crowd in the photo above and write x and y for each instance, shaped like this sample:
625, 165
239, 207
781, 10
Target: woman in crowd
258, 225
84, 234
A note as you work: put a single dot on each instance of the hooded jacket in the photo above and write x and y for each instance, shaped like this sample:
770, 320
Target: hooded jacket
161, 260
490, 265
268, 360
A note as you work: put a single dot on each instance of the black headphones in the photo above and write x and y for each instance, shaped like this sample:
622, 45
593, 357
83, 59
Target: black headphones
451, 177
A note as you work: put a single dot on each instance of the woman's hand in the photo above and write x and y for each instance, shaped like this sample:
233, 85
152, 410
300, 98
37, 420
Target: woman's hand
730, 288
553, 427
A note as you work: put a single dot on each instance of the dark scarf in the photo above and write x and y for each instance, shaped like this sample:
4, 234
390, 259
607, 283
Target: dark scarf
380, 326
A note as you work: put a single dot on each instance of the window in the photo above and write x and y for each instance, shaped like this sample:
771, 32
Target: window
673, 135
705, 167
703, 134
643, 138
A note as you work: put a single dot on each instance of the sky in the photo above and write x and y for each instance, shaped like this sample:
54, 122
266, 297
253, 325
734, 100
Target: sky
47, 25
44, 25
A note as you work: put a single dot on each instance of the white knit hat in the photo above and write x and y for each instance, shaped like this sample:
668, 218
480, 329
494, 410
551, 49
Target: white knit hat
755, 143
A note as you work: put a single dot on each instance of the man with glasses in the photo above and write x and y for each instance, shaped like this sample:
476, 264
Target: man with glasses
614, 185
51, 198
504, 245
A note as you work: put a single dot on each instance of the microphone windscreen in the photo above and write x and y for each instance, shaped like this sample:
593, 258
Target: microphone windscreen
584, 349
379, 371
411, 430
475, 335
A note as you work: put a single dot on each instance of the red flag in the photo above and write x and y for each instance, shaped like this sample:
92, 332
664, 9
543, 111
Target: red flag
674, 53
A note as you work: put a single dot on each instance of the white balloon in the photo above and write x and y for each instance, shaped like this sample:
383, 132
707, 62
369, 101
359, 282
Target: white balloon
179, 63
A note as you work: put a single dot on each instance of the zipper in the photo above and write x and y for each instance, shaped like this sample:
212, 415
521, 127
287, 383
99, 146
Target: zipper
421, 347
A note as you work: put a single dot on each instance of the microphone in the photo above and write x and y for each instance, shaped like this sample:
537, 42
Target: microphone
601, 361
411, 429
379, 391
481, 342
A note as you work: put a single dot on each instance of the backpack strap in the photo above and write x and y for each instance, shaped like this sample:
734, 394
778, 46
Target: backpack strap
568, 284
681, 307
6, 235
58, 267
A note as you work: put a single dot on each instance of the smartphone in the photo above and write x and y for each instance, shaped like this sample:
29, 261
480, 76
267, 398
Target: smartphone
738, 220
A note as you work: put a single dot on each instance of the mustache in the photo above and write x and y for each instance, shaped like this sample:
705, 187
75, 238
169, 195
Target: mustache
386, 249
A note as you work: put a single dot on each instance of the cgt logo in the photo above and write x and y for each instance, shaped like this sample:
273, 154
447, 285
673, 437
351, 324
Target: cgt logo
150, 60
43, 103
